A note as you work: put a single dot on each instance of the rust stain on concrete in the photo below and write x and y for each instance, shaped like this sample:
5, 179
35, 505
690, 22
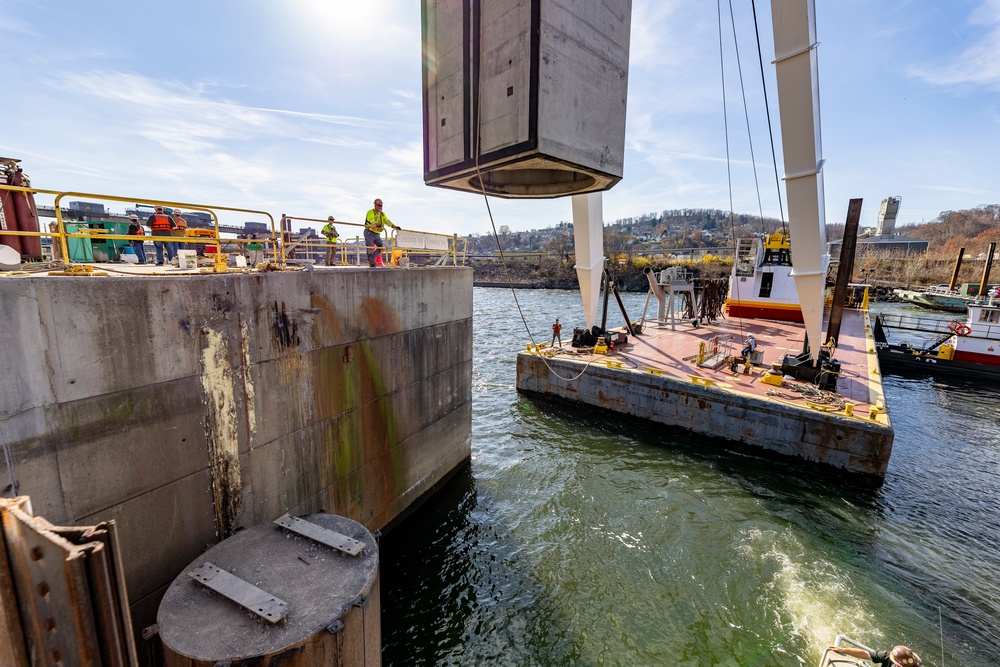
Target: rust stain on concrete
350, 375
335, 385
379, 318
221, 431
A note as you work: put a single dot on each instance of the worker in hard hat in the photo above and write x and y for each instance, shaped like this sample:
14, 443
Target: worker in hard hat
161, 225
180, 230
135, 229
332, 237
749, 346
375, 222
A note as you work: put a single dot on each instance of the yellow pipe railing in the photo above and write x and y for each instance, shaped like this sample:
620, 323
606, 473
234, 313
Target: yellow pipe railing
323, 243
277, 241
161, 202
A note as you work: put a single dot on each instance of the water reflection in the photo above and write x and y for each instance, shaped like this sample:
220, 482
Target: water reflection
579, 539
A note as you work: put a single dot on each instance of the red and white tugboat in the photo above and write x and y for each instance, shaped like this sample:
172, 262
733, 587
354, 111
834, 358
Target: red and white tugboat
969, 347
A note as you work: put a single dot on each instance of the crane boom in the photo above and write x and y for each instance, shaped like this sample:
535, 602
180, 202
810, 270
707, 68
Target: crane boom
794, 24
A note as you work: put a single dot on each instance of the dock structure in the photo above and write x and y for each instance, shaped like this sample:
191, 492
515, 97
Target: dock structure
656, 376
188, 407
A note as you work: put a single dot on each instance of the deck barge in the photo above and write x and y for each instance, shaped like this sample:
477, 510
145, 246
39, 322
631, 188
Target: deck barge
655, 376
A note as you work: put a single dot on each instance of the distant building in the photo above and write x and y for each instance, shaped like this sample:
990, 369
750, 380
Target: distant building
885, 239
199, 219
87, 207
896, 245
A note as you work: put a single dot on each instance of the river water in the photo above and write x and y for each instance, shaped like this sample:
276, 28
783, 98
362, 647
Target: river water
576, 538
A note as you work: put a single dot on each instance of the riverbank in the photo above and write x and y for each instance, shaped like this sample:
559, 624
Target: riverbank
629, 278
562, 275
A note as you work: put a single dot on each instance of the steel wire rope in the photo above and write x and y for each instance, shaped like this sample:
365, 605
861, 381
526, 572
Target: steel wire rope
746, 116
770, 128
729, 172
496, 236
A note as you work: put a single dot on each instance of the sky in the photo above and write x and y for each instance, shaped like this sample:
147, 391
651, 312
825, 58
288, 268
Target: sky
313, 108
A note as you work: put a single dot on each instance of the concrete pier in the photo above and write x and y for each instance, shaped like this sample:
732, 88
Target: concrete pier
188, 407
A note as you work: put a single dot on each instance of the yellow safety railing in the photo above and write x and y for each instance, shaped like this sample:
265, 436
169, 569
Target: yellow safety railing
280, 245
189, 206
62, 235
345, 245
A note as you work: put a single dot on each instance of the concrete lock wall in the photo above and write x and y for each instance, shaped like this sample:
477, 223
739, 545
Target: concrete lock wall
187, 407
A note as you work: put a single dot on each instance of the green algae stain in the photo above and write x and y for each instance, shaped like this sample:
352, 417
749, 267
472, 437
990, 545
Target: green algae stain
118, 411
388, 417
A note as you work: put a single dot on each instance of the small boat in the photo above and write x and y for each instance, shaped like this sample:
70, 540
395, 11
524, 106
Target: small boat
946, 297
969, 347
831, 658
938, 297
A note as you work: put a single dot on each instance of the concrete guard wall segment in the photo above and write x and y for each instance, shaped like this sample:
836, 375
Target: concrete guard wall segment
187, 407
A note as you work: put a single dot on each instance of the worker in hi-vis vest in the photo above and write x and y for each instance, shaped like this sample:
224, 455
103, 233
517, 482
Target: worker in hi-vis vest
375, 221
161, 225
330, 232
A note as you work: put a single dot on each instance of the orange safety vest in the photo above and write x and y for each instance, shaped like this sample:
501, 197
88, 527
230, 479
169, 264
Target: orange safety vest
181, 223
159, 221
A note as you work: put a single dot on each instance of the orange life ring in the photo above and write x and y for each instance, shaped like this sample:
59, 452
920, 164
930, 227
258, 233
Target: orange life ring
955, 325
963, 330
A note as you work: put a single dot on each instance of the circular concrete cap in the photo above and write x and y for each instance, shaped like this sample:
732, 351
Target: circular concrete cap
533, 182
317, 583
10, 259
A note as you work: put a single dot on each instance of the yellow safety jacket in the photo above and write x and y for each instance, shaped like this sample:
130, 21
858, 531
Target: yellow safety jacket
375, 221
330, 232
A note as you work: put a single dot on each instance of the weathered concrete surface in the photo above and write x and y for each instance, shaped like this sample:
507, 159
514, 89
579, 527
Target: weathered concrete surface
185, 408
853, 444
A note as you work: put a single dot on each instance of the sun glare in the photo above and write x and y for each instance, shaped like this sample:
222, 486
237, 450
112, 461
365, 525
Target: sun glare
344, 21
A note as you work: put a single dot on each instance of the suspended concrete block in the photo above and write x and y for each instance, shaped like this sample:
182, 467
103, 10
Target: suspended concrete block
525, 98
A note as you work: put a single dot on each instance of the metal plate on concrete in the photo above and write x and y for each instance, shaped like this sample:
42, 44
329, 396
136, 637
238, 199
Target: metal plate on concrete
243, 593
320, 534
317, 585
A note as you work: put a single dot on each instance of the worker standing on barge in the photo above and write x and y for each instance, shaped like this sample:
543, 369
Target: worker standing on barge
375, 222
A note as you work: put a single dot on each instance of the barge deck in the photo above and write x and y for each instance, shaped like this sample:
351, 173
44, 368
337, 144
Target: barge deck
655, 376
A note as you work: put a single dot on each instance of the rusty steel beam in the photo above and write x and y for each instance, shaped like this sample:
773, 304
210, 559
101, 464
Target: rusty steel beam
954, 274
845, 269
13, 650
986, 270
69, 591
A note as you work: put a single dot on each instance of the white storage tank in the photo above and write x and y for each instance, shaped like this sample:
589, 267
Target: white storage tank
535, 89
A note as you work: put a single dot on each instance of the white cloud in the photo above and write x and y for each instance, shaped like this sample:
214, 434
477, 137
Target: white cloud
979, 62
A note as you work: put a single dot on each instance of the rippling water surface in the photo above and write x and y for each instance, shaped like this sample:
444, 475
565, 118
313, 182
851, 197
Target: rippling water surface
576, 538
